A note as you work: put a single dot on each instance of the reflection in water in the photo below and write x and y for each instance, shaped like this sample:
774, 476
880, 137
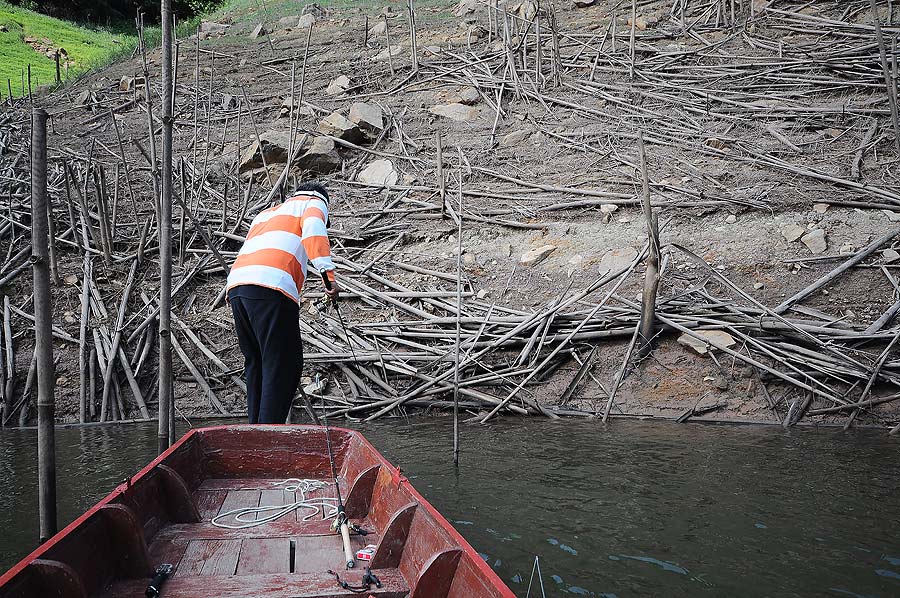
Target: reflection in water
632, 509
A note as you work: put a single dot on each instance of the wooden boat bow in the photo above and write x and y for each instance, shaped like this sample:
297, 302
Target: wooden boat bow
164, 513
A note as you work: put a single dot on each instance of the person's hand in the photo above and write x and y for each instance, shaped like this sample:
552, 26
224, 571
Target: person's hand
334, 292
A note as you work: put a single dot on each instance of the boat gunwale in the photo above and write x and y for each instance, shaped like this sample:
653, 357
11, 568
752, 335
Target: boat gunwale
479, 563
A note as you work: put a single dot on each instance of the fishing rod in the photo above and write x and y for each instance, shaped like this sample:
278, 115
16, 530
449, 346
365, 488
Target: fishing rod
327, 282
340, 522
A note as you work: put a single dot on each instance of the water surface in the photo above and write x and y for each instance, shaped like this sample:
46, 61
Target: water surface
625, 510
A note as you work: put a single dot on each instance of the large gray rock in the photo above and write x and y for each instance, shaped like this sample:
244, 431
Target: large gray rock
709, 340
390, 52
815, 241
792, 232
368, 117
456, 111
290, 21
616, 259
338, 125
211, 28
379, 172
274, 146
321, 157
306, 21
515, 138
338, 86
535, 256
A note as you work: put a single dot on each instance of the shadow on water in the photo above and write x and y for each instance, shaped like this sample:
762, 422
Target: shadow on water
633, 509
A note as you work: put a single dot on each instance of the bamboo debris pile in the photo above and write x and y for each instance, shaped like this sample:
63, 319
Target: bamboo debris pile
740, 82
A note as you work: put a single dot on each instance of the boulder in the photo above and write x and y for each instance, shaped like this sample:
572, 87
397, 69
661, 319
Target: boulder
315, 10
389, 52
617, 259
378, 29
368, 117
288, 102
338, 86
211, 28
792, 232
468, 96
465, 7
432, 51
85, 98
575, 264
321, 158
306, 21
536, 256
457, 112
257, 31
704, 344
731, 219
337, 125
892, 215
815, 241
820, 208
890, 256
514, 138
379, 172
130, 83
584, 3
608, 208
274, 146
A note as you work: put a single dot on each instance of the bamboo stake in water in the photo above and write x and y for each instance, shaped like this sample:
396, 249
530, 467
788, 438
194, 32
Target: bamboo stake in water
166, 432
43, 327
458, 321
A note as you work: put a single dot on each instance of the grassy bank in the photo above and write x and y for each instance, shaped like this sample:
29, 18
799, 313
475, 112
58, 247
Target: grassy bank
27, 37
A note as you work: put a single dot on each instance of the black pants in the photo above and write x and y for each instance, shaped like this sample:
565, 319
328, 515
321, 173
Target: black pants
268, 332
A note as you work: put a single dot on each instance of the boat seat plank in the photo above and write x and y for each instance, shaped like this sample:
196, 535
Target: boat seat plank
209, 502
250, 483
285, 527
318, 554
240, 499
209, 557
281, 585
264, 555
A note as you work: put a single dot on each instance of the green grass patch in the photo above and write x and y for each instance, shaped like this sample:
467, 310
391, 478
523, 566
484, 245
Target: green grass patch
88, 47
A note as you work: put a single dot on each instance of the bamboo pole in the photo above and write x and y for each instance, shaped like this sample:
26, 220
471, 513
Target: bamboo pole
166, 431
882, 54
651, 277
43, 323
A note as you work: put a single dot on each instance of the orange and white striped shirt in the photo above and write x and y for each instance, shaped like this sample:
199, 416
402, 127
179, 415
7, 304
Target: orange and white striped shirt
280, 242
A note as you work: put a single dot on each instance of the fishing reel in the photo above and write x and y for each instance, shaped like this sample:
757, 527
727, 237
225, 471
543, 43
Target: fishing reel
368, 580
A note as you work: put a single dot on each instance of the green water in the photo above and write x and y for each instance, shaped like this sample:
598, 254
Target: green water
630, 509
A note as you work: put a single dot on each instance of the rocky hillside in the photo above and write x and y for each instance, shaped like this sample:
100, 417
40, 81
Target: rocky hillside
484, 167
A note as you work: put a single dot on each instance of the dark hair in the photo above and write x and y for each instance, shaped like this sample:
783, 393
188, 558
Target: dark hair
314, 186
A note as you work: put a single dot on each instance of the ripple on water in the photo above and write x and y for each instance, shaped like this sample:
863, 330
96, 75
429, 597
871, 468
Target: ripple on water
666, 565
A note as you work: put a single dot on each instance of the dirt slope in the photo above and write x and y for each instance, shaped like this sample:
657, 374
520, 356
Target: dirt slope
763, 126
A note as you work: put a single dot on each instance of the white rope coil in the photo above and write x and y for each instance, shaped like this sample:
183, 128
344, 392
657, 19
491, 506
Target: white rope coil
246, 517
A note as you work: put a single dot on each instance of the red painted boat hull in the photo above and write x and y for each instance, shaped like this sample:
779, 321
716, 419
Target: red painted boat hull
162, 515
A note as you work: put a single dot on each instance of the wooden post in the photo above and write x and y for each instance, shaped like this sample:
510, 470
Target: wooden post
43, 332
56, 57
166, 432
651, 277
